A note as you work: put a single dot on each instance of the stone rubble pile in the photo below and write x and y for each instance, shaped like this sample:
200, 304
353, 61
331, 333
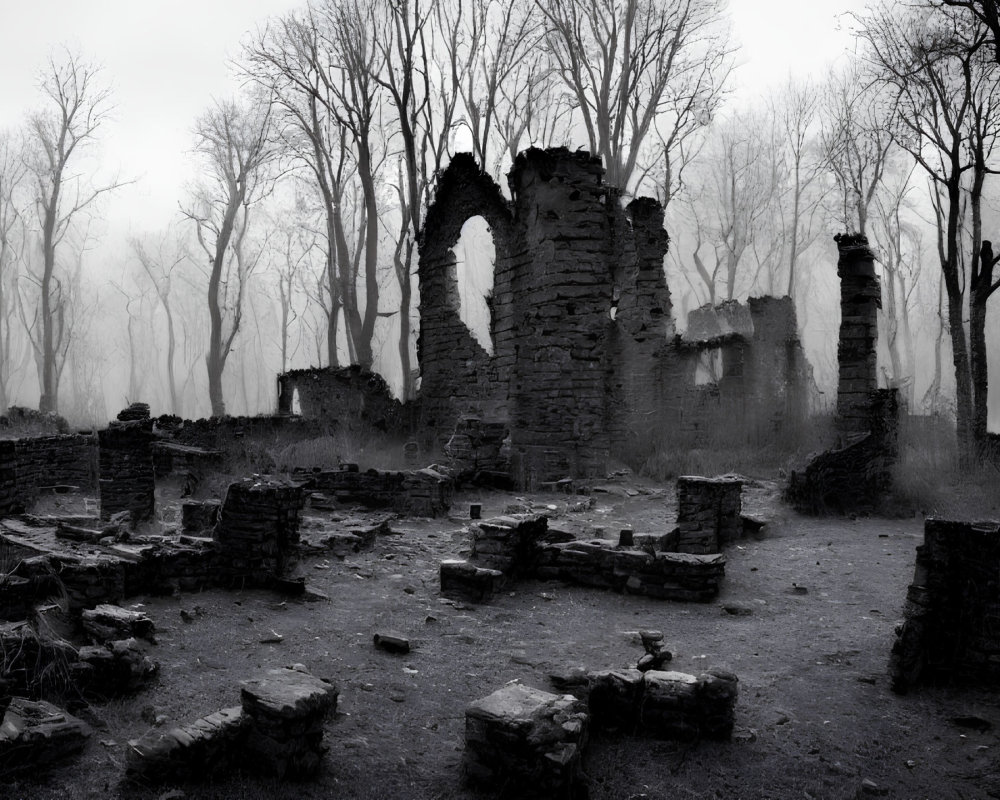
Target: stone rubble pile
708, 513
108, 622
126, 469
525, 738
36, 663
36, 734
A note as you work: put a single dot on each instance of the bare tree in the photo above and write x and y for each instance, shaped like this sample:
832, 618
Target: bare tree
237, 147
858, 120
899, 249
635, 66
13, 237
947, 98
77, 106
987, 12
159, 257
795, 111
732, 198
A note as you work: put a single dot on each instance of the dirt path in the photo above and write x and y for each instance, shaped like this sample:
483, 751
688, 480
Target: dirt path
816, 602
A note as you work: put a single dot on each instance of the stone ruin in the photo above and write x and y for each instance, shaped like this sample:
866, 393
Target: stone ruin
585, 357
585, 360
350, 398
856, 473
685, 563
951, 630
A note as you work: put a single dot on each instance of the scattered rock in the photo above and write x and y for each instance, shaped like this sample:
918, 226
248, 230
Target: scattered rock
737, 609
392, 642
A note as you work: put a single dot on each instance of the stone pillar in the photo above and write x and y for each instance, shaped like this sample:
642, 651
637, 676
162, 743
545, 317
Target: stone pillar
258, 525
860, 299
562, 300
708, 513
126, 469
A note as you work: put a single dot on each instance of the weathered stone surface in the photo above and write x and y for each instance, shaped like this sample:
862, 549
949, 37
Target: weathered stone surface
351, 398
31, 465
658, 703
392, 642
584, 356
126, 469
854, 477
424, 492
462, 580
287, 709
950, 632
708, 513
198, 517
530, 738
258, 527
36, 734
197, 751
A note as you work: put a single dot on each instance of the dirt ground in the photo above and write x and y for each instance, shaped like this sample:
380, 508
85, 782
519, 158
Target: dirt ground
805, 619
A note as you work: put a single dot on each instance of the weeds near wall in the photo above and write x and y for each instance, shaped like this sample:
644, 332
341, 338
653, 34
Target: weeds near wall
725, 441
927, 480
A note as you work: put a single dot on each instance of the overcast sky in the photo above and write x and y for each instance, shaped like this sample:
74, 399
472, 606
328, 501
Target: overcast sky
166, 60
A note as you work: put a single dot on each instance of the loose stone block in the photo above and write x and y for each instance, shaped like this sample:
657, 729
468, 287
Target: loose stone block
531, 738
108, 622
461, 580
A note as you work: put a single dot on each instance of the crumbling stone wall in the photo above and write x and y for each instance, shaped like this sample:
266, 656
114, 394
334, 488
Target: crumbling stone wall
952, 628
29, 465
457, 376
857, 472
353, 397
644, 326
585, 357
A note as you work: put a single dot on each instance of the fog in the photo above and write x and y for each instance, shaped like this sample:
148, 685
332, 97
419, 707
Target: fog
750, 177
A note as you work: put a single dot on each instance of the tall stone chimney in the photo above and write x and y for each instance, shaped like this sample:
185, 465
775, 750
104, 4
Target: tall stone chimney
860, 299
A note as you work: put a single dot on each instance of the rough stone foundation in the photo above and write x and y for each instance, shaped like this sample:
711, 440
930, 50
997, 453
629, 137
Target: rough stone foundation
951, 631
521, 546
